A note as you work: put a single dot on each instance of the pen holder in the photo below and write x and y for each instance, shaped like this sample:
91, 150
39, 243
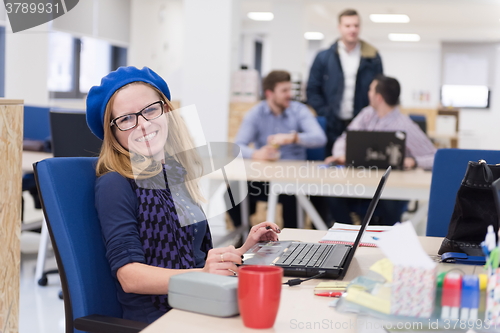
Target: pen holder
413, 291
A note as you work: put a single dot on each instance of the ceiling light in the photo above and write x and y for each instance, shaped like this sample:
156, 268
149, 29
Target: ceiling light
261, 16
404, 37
389, 18
314, 35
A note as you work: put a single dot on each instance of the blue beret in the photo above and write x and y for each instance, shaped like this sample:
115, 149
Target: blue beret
98, 96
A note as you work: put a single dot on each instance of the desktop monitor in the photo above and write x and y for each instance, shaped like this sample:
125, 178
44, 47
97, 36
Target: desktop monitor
71, 136
465, 96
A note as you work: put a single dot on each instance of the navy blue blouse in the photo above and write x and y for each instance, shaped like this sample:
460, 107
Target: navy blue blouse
117, 206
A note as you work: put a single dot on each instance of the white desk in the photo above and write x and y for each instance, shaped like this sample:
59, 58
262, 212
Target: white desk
302, 178
298, 304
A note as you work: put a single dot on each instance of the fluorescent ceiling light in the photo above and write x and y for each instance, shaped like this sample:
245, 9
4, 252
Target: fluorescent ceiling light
261, 16
314, 35
404, 37
389, 18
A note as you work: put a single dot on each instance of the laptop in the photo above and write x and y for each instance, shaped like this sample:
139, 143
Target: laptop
375, 149
311, 259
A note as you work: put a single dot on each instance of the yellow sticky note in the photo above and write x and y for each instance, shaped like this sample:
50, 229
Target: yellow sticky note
384, 268
381, 302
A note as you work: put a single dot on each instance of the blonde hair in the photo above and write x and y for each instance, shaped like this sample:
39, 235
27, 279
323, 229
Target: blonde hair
114, 158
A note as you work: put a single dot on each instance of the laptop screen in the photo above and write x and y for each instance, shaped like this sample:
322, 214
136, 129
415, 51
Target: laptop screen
375, 149
367, 218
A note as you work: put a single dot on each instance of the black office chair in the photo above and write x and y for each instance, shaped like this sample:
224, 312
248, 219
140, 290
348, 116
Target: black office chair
66, 187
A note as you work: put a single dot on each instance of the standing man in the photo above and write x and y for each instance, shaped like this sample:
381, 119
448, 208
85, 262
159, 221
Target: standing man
340, 77
278, 128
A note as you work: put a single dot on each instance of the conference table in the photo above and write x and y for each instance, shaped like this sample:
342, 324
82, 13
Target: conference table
304, 178
299, 306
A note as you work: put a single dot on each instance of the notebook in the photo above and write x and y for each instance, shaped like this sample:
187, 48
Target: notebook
311, 259
342, 233
375, 149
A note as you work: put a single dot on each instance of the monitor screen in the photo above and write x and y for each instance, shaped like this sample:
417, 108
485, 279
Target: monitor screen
465, 96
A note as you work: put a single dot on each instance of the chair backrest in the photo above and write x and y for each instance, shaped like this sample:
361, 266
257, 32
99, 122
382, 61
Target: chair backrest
66, 187
420, 120
71, 137
317, 154
36, 123
447, 174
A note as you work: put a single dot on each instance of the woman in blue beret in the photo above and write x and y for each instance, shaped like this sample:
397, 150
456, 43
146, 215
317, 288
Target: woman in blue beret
147, 196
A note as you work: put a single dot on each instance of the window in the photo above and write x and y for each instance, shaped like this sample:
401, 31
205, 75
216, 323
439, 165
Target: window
77, 64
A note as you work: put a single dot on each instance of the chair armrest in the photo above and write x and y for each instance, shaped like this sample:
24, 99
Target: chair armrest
104, 324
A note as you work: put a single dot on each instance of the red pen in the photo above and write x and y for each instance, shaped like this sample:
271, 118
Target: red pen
330, 294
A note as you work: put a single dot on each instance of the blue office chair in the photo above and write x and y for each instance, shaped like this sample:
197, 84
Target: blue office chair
66, 187
447, 174
317, 154
420, 120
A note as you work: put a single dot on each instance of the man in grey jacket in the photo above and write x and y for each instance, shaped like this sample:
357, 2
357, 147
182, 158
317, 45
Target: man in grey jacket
340, 77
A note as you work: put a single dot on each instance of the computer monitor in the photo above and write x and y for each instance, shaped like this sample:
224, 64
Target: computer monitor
71, 136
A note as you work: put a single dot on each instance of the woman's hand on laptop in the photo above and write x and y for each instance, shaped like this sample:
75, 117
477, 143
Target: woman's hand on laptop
262, 232
222, 261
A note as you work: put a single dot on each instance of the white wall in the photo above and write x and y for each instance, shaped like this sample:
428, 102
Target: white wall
211, 30
417, 67
26, 55
104, 19
287, 43
157, 39
26, 59
478, 127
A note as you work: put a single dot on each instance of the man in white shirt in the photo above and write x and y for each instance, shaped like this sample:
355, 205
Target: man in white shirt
341, 75
383, 114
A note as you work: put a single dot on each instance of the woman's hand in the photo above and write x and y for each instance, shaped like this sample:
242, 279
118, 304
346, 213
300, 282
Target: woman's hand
223, 261
262, 232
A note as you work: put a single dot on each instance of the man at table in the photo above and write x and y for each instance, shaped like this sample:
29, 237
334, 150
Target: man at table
383, 114
278, 128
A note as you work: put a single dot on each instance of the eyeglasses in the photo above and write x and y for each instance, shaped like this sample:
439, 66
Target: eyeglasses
129, 121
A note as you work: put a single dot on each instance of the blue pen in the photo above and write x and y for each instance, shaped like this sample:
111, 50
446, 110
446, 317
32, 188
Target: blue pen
470, 298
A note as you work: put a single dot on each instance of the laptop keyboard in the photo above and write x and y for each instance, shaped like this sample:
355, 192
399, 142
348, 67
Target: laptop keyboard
305, 255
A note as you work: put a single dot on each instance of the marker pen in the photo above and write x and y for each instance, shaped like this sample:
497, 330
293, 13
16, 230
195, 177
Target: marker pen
450, 301
330, 294
470, 298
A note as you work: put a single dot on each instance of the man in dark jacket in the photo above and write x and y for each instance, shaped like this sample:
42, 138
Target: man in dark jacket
340, 77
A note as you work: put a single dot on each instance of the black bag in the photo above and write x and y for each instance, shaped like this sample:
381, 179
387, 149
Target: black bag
474, 210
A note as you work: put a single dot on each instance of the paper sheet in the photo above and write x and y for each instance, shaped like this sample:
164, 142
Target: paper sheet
402, 247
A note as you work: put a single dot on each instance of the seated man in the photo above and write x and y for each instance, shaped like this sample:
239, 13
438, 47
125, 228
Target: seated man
383, 114
279, 129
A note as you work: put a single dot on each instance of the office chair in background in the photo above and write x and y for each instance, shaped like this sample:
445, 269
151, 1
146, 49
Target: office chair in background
66, 187
447, 174
36, 137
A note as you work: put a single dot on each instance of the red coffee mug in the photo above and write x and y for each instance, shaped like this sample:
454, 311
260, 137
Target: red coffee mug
259, 293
